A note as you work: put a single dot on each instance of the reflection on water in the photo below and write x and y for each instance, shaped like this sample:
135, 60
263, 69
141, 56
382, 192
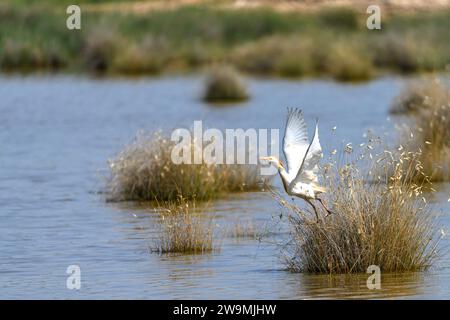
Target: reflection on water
355, 286
56, 134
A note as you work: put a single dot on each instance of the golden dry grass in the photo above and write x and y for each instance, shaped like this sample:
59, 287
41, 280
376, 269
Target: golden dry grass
182, 229
420, 96
433, 139
144, 170
429, 129
379, 219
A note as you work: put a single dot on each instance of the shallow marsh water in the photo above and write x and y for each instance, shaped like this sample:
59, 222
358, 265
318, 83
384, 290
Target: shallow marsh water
56, 133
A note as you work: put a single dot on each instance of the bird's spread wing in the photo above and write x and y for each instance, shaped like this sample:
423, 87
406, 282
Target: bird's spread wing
309, 167
295, 141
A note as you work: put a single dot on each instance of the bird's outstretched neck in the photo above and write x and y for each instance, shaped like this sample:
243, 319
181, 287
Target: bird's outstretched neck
284, 178
283, 173
281, 170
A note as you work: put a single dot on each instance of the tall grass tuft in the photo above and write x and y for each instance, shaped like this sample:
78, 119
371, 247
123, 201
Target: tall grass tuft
345, 63
224, 85
379, 219
420, 96
183, 230
144, 170
433, 138
429, 132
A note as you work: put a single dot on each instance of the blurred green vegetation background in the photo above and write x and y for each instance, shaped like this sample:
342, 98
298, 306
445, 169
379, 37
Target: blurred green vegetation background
330, 42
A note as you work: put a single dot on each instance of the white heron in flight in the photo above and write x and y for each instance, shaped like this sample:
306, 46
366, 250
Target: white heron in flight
302, 159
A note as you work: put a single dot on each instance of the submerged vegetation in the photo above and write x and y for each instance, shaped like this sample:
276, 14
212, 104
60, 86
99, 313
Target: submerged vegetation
224, 85
244, 228
379, 219
182, 229
144, 170
259, 41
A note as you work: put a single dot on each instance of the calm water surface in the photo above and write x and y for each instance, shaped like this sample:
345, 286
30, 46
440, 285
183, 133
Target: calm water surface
56, 134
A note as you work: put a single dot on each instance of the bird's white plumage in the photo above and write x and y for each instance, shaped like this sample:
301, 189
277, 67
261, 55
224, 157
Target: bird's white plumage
301, 156
295, 141
301, 179
310, 166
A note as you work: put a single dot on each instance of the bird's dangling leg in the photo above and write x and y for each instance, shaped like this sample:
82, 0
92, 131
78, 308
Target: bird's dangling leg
315, 210
325, 207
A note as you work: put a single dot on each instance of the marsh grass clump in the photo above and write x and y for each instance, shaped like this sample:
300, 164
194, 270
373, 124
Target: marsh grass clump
346, 63
420, 96
182, 229
144, 170
243, 229
259, 41
224, 85
396, 52
19, 55
431, 137
99, 49
429, 129
296, 56
285, 56
379, 219
146, 57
